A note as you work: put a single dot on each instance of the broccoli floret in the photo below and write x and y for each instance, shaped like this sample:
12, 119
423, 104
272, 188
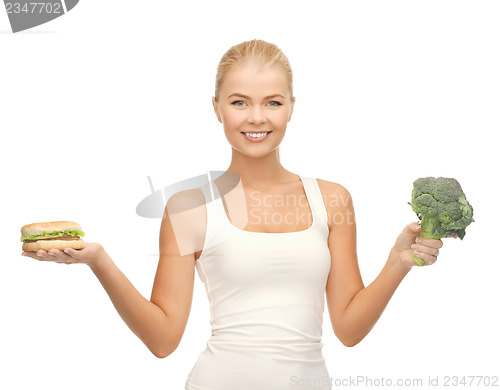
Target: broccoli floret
442, 208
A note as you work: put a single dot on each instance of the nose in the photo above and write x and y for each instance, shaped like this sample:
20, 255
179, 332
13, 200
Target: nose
256, 114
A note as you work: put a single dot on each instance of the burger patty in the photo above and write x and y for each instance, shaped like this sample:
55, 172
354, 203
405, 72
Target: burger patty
66, 238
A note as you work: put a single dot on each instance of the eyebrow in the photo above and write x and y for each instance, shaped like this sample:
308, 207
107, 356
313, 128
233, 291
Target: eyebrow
247, 97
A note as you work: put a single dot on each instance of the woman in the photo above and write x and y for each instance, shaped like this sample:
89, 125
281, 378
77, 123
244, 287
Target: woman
267, 279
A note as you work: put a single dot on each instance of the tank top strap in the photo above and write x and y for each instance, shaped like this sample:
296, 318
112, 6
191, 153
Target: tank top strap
316, 201
217, 229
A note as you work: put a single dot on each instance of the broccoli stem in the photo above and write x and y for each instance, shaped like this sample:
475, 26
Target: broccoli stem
428, 231
419, 261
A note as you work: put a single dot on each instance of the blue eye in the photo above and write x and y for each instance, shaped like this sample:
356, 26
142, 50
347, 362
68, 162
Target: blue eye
241, 101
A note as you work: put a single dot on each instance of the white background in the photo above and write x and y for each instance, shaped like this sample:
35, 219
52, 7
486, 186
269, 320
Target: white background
386, 92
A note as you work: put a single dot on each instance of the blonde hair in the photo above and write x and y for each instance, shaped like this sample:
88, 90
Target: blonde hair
256, 51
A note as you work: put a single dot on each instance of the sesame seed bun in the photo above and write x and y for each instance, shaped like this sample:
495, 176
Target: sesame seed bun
47, 227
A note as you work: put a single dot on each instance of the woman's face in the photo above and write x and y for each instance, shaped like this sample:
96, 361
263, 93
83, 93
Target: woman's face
254, 101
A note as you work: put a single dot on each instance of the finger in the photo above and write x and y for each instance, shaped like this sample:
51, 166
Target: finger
42, 255
425, 249
31, 254
72, 253
429, 259
429, 242
412, 228
60, 256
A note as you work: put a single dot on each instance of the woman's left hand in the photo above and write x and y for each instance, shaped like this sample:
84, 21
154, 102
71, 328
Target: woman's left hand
408, 244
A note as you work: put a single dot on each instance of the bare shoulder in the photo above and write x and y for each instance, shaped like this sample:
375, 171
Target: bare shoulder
185, 212
336, 198
336, 194
331, 187
185, 200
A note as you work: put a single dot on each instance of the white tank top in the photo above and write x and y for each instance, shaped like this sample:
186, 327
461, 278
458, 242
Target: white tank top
266, 293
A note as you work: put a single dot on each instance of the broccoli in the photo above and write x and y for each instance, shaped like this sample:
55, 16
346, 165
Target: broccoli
441, 206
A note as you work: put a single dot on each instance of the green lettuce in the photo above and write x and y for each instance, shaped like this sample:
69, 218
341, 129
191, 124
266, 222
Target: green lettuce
53, 234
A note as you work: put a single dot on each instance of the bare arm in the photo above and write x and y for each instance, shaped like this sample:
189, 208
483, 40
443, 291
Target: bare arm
158, 323
354, 309
368, 304
145, 319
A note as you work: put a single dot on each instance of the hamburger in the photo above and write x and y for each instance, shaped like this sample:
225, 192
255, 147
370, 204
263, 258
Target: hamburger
52, 235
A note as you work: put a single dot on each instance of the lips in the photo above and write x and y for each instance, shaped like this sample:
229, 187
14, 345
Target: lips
256, 139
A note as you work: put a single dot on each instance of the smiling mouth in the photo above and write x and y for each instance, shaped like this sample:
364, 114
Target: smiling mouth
256, 136
258, 133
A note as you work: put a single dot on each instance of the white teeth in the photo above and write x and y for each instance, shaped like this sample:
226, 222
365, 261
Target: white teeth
255, 135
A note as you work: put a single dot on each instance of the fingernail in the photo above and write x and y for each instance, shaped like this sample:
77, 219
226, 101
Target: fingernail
39, 254
418, 239
66, 250
52, 254
413, 246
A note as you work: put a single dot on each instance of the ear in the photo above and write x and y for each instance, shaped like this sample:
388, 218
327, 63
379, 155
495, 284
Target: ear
291, 109
216, 109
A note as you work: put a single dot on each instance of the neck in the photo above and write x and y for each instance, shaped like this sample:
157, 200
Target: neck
259, 171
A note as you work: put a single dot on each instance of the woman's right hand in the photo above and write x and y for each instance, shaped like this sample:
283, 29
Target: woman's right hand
90, 254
